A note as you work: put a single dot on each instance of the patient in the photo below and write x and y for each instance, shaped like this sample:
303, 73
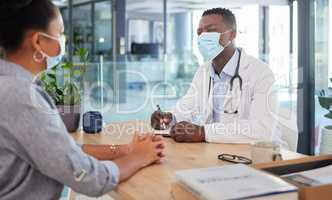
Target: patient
37, 155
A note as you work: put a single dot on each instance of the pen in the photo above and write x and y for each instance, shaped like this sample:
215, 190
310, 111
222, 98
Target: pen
162, 123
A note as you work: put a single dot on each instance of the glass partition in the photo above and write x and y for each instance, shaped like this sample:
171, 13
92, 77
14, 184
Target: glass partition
161, 54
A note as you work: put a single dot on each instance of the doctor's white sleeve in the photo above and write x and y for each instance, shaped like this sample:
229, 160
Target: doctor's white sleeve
258, 125
188, 106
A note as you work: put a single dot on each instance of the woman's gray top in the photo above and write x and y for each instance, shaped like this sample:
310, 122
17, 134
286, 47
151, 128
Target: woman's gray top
37, 155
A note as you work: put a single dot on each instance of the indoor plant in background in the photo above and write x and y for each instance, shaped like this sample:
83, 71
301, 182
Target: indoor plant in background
326, 137
64, 83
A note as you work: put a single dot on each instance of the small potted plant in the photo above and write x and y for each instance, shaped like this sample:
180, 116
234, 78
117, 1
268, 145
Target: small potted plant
64, 83
326, 102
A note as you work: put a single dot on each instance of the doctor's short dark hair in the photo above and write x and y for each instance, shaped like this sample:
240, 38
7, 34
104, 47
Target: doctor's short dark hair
228, 16
17, 17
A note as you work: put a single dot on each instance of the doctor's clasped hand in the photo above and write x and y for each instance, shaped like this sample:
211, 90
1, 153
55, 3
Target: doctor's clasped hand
187, 132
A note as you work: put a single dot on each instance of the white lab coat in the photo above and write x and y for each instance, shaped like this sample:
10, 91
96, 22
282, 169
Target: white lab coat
253, 122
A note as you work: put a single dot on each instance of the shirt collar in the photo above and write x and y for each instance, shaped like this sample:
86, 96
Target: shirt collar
230, 66
11, 69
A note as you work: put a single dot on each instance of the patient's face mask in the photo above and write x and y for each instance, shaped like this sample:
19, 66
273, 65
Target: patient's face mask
53, 61
209, 46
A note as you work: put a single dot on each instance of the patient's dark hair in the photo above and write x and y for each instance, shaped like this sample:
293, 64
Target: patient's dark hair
227, 15
19, 16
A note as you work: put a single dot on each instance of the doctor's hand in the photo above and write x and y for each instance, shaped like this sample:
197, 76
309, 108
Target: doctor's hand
187, 132
161, 120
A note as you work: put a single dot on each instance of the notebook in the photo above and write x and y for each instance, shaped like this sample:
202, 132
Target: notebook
232, 182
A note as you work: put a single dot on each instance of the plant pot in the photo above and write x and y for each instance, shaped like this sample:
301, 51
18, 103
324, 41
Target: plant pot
70, 116
326, 141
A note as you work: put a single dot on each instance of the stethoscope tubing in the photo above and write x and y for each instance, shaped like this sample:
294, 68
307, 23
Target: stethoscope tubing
236, 74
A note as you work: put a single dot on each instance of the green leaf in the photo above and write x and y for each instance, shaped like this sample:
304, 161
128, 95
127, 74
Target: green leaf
71, 94
325, 102
83, 54
67, 66
77, 73
52, 76
328, 115
59, 92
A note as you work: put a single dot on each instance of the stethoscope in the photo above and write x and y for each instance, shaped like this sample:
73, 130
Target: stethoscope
236, 76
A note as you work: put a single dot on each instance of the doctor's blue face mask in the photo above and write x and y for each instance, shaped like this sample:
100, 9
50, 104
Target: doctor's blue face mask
209, 46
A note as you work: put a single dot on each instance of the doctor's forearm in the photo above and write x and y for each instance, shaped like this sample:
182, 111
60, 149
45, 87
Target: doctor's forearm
237, 130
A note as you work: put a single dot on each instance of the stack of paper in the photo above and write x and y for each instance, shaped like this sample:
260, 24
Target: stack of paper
315, 177
232, 182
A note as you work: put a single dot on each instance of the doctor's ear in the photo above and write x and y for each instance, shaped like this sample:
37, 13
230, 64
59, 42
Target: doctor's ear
233, 35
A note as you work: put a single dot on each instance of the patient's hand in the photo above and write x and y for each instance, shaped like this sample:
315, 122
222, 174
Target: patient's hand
145, 150
187, 132
138, 138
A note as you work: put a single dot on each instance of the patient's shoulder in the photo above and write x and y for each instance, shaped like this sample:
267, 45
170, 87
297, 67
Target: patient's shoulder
22, 92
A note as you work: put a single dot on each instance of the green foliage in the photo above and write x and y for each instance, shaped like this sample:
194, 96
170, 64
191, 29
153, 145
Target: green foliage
83, 54
64, 82
326, 102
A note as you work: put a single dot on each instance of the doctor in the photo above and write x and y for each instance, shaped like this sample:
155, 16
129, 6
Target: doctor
229, 99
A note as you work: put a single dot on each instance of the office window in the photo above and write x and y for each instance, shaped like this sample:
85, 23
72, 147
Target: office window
92, 27
248, 28
283, 59
103, 29
82, 27
323, 70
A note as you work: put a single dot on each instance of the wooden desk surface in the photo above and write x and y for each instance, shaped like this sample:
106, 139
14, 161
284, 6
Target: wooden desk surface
155, 182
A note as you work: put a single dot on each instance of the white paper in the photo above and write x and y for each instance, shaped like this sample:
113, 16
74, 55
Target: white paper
321, 175
231, 182
162, 132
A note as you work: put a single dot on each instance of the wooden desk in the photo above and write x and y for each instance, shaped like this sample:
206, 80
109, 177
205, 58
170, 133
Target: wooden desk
155, 182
